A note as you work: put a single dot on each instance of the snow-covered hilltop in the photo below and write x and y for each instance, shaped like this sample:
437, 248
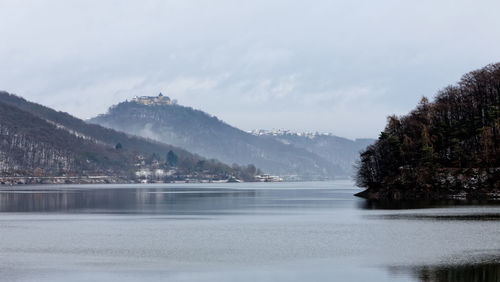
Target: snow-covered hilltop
337, 150
282, 132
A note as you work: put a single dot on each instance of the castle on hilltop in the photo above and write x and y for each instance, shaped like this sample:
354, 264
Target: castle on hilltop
153, 100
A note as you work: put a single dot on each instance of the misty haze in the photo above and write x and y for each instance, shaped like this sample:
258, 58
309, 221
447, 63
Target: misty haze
249, 141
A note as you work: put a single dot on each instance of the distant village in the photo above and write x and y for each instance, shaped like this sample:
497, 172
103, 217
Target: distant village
144, 173
155, 172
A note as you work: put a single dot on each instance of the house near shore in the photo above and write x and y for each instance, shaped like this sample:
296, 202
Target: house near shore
268, 178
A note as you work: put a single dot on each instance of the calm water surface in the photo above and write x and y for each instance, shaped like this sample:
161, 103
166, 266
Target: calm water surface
240, 232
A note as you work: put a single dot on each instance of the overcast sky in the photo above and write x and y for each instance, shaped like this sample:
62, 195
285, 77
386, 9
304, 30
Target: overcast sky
334, 66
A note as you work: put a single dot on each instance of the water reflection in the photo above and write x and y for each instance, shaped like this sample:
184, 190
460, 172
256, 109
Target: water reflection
127, 200
463, 217
287, 231
167, 200
486, 272
423, 204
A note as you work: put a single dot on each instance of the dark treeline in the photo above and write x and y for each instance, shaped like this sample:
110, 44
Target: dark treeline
446, 147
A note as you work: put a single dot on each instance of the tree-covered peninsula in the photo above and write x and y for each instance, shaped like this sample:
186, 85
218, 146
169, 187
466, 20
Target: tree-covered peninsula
447, 148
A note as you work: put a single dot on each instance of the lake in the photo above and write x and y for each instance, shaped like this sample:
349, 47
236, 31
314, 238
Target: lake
313, 231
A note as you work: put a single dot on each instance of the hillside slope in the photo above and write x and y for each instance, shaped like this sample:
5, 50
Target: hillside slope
338, 150
28, 142
201, 133
35, 137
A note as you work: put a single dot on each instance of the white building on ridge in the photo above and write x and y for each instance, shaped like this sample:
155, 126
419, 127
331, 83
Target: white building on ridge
153, 100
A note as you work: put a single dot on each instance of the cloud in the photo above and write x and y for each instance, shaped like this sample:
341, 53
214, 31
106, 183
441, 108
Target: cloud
337, 66
75, 100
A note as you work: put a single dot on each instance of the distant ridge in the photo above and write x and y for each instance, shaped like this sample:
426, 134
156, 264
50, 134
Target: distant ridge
37, 140
338, 150
206, 135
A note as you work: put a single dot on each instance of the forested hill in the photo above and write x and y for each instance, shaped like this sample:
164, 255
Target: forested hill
448, 147
36, 140
338, 150
29, 143
105, 135
206, 135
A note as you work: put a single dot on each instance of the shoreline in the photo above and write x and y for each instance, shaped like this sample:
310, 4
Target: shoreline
396, 195
20, 181
83, 180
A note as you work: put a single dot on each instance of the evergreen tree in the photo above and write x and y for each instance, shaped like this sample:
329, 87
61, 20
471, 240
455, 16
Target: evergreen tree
172, 158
